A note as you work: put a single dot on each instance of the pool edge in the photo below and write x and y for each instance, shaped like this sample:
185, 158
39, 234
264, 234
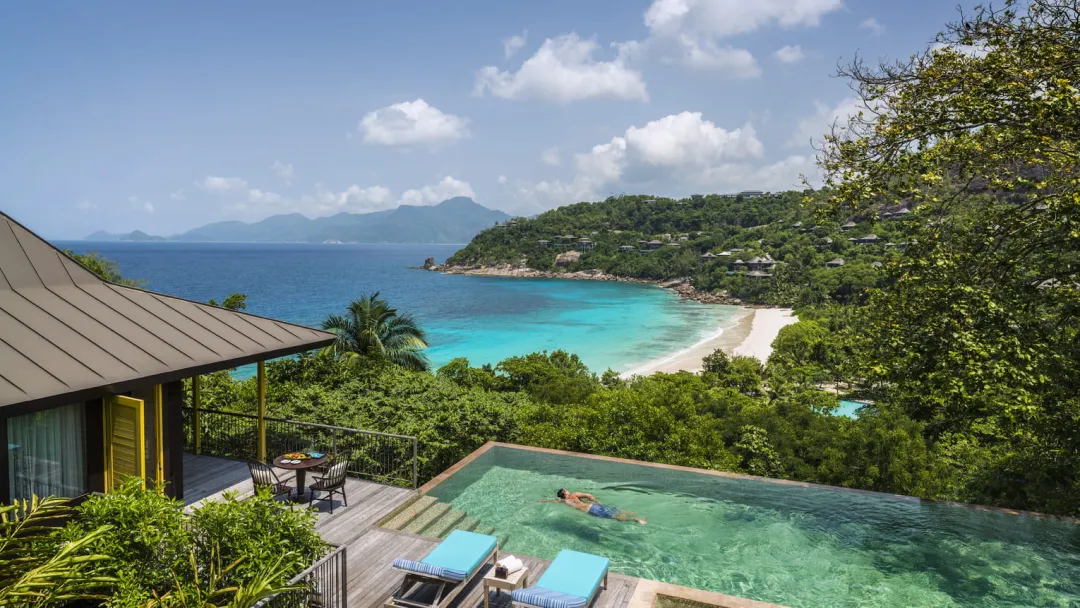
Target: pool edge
441, 477
645, 593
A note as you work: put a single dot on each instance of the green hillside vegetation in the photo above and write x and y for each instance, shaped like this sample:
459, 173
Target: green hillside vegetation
782, 227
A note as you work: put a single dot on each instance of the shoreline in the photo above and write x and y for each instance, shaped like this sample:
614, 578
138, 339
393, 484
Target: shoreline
727, 337
681, 287
750, 332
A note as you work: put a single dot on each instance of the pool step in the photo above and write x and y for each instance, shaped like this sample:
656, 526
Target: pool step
429, 517
424, 519
444, 524
468, 524
417, 507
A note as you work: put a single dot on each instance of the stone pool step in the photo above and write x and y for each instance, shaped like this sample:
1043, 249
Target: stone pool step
410, 512
444, 524
424, 519
489, 530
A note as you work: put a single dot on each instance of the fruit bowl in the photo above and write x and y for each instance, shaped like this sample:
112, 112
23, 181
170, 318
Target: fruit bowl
297, 456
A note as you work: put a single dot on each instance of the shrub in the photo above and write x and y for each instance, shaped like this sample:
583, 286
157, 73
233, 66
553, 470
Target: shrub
260, 530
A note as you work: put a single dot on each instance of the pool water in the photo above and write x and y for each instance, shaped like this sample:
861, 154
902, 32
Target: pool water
848, 409
782, 543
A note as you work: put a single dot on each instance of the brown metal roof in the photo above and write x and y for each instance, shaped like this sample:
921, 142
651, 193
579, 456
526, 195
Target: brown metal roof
66, 335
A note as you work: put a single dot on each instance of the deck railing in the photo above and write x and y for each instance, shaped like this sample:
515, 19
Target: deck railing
324, 584
382, 457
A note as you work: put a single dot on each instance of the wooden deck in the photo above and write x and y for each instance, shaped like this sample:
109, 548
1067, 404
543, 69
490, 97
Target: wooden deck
371, 549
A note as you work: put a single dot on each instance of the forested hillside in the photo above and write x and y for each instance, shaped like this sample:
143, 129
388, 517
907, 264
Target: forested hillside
657, 238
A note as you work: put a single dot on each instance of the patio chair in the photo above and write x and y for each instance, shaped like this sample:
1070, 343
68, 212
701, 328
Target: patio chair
436, 580
331, 482
571, 581
262, 476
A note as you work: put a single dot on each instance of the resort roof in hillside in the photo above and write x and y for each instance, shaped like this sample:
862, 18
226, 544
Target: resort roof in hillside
66, 335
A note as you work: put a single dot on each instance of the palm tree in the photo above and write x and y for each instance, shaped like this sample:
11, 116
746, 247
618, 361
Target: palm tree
371, 328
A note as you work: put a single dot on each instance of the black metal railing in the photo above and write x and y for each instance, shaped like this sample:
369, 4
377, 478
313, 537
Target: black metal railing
324, 584
382, 457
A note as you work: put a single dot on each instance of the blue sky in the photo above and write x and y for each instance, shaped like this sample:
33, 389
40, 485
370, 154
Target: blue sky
167, 116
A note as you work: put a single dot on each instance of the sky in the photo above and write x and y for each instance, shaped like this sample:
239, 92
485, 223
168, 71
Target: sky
167, 116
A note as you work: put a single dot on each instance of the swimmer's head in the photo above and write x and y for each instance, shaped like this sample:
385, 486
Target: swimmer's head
561, 493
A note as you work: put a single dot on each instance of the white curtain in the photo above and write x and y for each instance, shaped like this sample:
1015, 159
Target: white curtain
47, 453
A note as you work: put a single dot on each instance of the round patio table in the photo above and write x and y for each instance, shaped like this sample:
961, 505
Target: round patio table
301, 469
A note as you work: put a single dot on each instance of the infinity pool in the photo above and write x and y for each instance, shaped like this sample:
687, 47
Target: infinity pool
797, 546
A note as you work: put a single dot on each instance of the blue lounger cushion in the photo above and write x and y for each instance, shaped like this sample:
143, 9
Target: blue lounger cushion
569, 582
456, 558
535, 596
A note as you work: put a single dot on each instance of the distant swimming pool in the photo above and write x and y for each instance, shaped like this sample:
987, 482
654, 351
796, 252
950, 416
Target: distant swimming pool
798, 546
849, 409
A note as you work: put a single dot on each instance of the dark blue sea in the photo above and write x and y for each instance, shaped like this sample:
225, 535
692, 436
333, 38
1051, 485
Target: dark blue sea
486, 319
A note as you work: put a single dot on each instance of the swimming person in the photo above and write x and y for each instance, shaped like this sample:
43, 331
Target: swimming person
587, 503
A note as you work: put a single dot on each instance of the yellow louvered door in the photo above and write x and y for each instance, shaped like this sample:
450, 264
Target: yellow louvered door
125, 440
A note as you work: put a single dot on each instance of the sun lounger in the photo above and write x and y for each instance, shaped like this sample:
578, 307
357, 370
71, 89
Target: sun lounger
436, 580
571, 581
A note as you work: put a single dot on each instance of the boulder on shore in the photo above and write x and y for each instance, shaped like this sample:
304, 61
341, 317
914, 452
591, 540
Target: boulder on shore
566, 258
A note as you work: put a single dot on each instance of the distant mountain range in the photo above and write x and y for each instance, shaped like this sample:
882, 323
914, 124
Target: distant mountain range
456, 220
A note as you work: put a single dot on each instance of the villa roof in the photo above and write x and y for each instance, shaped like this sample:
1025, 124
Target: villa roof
849, 225
66, 335
836, 262
870, 237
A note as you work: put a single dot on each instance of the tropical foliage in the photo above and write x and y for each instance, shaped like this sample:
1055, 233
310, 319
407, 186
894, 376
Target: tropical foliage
36, 567
373, 330
103, 267
136, 547
780, 226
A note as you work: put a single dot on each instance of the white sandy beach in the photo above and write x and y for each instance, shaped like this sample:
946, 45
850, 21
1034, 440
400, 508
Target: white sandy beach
750, 332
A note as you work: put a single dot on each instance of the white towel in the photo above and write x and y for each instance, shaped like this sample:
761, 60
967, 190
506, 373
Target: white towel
511, 563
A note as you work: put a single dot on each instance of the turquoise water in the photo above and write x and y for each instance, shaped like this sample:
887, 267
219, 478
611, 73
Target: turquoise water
796, 546
849, 409
487, 319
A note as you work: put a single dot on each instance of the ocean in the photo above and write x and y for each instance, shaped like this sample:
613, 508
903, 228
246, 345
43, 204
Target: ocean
620, 326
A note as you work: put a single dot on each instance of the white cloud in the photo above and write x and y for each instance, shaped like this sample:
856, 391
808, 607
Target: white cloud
447, 187
502, 179
550, 156
352, 199
791, 53
214, 183
812, 129
564, 70
411, 123
689, 31
872, 24
178, 195
684, 150
514, 43
283, 171
148, 207
260, 196
707, 55
722, 18
679, 146
86, 206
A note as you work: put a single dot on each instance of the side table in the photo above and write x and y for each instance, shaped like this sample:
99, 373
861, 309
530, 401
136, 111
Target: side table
514, 580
